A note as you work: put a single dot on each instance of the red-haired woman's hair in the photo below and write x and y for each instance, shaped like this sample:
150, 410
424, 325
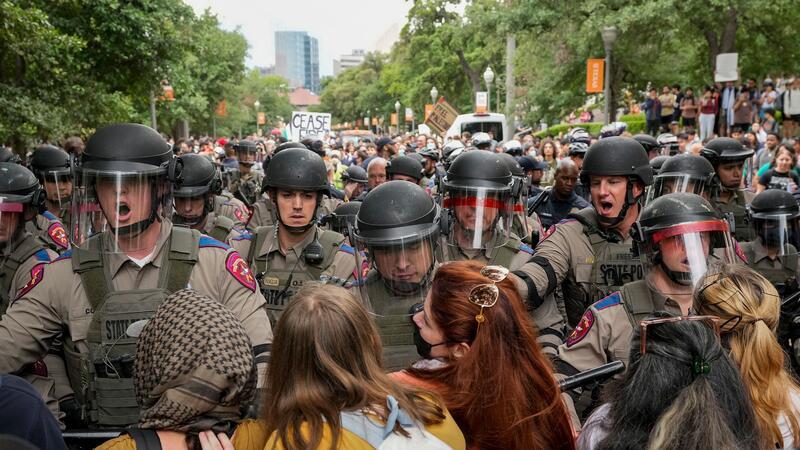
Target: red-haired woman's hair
502, 393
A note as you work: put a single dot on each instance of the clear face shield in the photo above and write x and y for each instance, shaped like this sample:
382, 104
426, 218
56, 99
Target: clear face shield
519, 220
123, 204
732, 174
247, 156
670, 183
778, 233
58, 188
676, 258
12, 217
480, 218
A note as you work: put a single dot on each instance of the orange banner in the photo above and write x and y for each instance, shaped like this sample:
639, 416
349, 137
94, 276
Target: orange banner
222, 108
394, 119
594, 75
428, 111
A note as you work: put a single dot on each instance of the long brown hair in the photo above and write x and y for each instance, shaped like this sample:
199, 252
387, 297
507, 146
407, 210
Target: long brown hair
326, 358
502, 393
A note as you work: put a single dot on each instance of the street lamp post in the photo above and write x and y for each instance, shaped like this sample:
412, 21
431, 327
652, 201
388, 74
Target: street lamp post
434, 95
256, 105
397, 110
488, 77
609, 35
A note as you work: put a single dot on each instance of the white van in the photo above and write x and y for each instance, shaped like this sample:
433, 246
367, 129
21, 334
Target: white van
488, 123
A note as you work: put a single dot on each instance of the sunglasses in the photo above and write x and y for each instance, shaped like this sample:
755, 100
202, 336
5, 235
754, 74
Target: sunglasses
486, 295
711, 321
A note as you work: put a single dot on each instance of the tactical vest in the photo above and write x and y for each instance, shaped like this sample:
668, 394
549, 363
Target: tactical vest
279, 285
638, 301
500, 255
247, 188
221, 227
103, 378
10, 264
786, 275
738, 208
394, 323
613, 265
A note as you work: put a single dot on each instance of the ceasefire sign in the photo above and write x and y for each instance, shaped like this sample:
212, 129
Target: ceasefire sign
310, 124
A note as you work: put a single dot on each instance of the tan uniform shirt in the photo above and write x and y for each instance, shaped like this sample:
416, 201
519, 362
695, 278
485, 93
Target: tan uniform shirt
58, 301
29, 271
280, 263
773, 269
264, 213
232, 208
211, 225
50, 229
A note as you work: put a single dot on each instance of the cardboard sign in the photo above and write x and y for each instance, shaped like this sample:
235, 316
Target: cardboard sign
442, 116
594, 75
308, 124
481, 102
727, 67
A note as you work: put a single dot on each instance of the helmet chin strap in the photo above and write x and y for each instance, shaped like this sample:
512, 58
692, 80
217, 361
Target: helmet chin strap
630, 200
134, 229
405, 288
679, 278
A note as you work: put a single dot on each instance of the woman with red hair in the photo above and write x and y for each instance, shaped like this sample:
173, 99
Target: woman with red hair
481, 356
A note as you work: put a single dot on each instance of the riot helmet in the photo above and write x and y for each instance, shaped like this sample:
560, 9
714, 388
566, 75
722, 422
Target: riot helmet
123, 185
613, 129
355, 174
775, 220
194, 197
315, 144
668, 143
343, 218
519, 190
246, 152
650, 144
579, 135
478, 201
53, 167
450, 151
685, 173
8, 155
397, 227
678, 235
482, 141
21, 198
728, 157
296, 170
513, 148
431, 153
657, 162
404, 168
616, 156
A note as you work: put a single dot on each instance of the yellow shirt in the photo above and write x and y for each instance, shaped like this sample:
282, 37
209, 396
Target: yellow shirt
447, 431
249, 435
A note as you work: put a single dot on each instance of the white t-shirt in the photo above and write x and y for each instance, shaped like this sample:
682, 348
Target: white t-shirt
783, 423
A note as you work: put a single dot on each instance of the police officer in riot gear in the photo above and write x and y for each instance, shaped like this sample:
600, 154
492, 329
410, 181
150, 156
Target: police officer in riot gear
728, 157
404, 168
431, 169
401, 242
579, 141
482, 141
8, 155
247, 185
678, 237
685, 173
657, 162
589, 255
355, 182
650, 144
126, 258
513, 148
263, 209
479, 197
775, 219
53, 168
196, 196
295, 250
343, 218
668, 143
523, 226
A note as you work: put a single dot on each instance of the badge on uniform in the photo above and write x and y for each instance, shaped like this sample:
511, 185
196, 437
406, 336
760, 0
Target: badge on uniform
58, 235
271, 281
240, 270
580, 332
37, 274
241, 215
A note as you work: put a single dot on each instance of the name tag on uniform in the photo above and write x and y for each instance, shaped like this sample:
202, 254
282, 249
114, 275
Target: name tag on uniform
272, 281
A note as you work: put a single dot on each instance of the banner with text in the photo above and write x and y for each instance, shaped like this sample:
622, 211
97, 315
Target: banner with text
308, 124
481, 102
595, 71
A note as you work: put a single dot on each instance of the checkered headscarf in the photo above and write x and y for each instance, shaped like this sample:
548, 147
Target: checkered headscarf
194, 367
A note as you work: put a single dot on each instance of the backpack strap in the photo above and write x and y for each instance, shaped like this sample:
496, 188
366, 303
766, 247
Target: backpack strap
87, 262
261, 234
184, 245
145, 439
638, 301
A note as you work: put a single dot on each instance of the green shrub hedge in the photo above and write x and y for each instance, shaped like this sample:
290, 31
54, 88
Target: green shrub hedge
636, 124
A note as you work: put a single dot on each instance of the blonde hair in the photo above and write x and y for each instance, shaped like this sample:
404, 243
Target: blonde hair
749, 308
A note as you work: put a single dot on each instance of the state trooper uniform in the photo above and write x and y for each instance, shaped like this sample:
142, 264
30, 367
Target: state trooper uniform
321, 255
263, 210
247, 184
522, 225
23, 259
584, 255
199, 180
721, 151
398, 227
94, 292
52, 167
604, 333
478, 205
775, 218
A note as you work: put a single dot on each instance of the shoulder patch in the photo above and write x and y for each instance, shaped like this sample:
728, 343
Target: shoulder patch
241, 215
66, 255
42, 255
611, 300
580, 332
208, 241
347, 249
525, 248
58, 235
243, 236
37, 275
240, 270
50, 216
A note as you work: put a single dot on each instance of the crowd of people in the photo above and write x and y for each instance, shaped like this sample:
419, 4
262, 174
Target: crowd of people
577, 291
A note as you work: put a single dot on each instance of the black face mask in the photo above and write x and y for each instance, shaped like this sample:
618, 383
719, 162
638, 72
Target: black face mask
424, 347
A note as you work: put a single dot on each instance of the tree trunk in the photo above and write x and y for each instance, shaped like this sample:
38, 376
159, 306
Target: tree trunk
473, 75
511, 50
725, 40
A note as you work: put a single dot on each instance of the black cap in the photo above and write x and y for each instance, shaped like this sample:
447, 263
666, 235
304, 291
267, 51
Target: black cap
382, 142
528, 162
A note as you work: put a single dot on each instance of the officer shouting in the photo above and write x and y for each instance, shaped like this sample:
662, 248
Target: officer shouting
119, 271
